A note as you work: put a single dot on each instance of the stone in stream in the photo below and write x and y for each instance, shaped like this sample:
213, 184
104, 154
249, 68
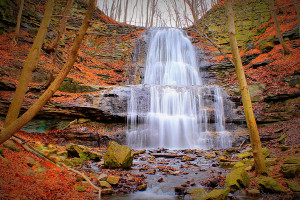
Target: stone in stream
102, 177
82, 152
113, 180
104, 184
197, 193
217, 194
210, 155
269, 184
142, 187
188, 158
118, 156
253, 193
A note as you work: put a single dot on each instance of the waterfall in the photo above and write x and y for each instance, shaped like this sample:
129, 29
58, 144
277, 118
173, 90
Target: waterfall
176, 109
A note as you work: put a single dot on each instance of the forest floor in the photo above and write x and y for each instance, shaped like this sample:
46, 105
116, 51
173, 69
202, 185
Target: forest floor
26, 176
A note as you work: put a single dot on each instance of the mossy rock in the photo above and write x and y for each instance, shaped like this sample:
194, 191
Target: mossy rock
266, 152
282, 139
271, 161
210, 155
30, 161
118, 156
290, 170
237, 179
295, 187
292, 160
245, 154
73, 162
77, 151
270, 185
244, 164
217, 194
104, 184
197, 193
9, 144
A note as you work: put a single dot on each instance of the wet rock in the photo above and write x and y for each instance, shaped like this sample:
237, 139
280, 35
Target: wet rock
295, 187
197, 193
161, 179
118, 156
253, 193
113, 179
9, 144
180, 191
269, 184
210, 155
74, 162
237, 179
102, 177
217, 194
142, 187
106, 191
227, 164
188, 158
139, 152
104, 184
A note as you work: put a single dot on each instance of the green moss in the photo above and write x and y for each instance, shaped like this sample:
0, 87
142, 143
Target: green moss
269, 184
295, 187
118, 156
217, 195
237, 179
197, 193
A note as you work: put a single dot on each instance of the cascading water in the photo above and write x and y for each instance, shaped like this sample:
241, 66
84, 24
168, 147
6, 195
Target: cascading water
179, 108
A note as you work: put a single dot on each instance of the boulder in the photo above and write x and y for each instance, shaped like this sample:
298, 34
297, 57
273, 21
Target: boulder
245, 154
217, 194
269, 184
80, 188
266, 152
142, 187
118, 156
237, 179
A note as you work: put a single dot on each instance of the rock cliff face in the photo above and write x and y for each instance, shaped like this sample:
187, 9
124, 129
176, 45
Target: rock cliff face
108, 58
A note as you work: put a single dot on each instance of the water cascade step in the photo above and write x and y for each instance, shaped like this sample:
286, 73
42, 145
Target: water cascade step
176, 111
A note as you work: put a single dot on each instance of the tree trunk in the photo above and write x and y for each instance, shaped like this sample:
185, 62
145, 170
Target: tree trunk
17, 32
147, 13
273, 13
30, 64
125, 11
17, 124
298, 13
152, 12
260, 167
62, 27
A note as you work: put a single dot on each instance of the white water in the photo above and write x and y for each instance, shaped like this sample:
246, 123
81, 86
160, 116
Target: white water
179, 107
